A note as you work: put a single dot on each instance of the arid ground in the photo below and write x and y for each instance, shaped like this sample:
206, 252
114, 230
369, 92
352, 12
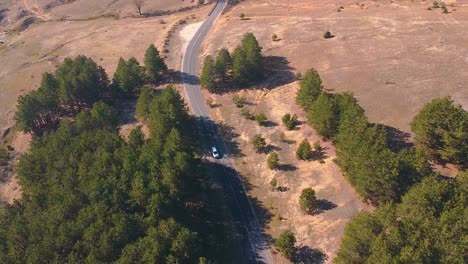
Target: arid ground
394, 57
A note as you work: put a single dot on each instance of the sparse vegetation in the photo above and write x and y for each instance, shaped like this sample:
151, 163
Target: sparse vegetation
242, 16
246, 113
273, 161
273, 184
285, 244
239, 101
303, 151
258, 143
317, 146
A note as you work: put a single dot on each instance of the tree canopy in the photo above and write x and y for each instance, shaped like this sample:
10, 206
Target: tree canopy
128, 77
441, 131
154, 64
428, 226
310, 89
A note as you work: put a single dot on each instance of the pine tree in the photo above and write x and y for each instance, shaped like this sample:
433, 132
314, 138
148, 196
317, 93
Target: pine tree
128, 77
303, 151
254, 57
223, 63
240, 68
310, 89
208, 76
273, 161
154, 64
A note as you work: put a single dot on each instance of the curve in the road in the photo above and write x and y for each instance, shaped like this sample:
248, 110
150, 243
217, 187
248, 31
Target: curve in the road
241, 207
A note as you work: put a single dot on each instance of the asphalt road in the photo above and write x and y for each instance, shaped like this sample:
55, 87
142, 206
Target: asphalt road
255, 248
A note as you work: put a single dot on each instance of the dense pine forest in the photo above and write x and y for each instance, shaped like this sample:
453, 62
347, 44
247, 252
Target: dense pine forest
90, 195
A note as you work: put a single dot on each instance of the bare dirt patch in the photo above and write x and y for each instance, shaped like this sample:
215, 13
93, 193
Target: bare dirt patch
395, 57
279, 210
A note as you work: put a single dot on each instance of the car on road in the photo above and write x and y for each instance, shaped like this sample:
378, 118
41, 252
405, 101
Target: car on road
215, 153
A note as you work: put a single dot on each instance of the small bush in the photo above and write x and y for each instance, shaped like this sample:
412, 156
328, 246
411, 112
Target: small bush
327, 35
246, 113
239, 101
298, 76
242, 16
273, 184
274, 37
282, 137
444, 10
289, 121
317, 146
303, 151
285, 244
273, 161
258, 143
209, 102
308, 201
435, 4
261, 119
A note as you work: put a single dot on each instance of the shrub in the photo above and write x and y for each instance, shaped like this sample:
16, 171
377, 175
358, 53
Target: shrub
327, 35
298, 76
285, 244
289, 122
261, 119
444, 10
282, 137
273, 161
258, 143
317, 146
209, 102
435, 4
274, 37
273, 184
246, 113
308, 201
242, 16
303, 151
239, 101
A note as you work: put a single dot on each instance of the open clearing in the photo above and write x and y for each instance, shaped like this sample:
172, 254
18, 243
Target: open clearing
394, 57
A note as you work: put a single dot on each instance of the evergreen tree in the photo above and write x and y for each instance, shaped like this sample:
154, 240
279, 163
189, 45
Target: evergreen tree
307, 201
310, 89
240, 68
223, 64
441, 131
81, 82
154, 64
143, 103
323, 116
208, 76
289, 121
253, 57
129, 75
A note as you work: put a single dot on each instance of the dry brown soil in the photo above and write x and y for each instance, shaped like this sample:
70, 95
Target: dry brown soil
395, 57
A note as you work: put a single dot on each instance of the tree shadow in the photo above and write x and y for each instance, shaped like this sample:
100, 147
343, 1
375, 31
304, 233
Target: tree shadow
307, 255
271, 148
287, 167
319, 155
397, 139
269, 124
219, 135
282, 189
244, 209
325, 205
278, 71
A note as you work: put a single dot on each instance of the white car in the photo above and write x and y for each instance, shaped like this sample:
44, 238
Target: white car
215, 152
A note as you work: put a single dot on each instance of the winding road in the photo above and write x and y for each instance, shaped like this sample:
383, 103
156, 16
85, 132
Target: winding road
255, 248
